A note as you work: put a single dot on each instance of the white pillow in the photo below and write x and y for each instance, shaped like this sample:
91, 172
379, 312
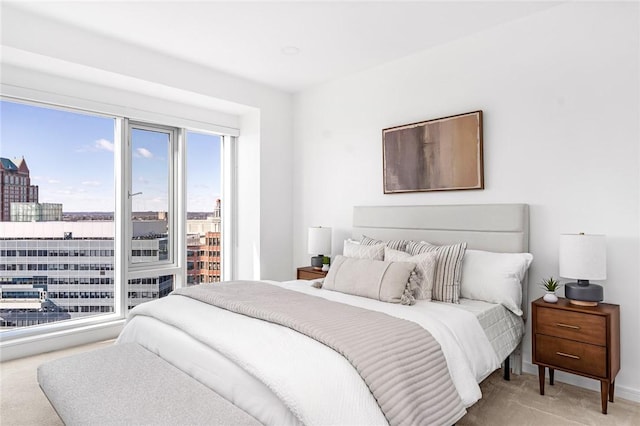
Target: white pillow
495, 277
425, 270
359, 251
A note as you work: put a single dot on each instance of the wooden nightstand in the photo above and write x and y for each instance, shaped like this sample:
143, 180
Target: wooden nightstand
577, 339
308, 273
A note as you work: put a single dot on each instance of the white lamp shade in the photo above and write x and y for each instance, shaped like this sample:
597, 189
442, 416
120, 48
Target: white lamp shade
319, 241
583, 257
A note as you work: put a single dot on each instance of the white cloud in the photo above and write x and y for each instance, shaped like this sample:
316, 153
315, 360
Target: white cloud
103, 144
92, 183
143, 180
143, 152
50, 180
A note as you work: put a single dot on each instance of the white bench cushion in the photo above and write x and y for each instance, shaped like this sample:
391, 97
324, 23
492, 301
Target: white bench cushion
127, 384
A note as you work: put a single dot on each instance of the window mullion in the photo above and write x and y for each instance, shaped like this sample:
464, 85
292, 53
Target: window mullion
122, 214
180, 207
228, 248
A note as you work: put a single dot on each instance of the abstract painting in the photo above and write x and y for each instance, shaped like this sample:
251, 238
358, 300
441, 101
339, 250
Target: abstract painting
434, 155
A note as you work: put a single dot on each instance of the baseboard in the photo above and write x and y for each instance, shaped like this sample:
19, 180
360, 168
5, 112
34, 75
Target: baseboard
623, 392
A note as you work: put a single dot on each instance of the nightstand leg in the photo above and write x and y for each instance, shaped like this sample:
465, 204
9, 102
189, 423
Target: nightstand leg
604, 395
551, 371
541, 378
612, 387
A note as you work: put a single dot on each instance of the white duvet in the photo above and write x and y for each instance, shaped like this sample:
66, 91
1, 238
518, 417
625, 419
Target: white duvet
297, 379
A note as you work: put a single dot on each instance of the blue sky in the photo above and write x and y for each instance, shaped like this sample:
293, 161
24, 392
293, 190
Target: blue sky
70, 157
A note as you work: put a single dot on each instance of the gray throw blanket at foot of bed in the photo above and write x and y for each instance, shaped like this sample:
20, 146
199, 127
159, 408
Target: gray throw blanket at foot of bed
401, 363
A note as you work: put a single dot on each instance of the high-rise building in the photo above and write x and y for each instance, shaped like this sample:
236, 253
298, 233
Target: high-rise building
203, 258
15, 186
203, 249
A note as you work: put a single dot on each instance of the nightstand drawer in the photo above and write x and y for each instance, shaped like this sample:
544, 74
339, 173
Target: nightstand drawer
304, 275
570, 355
309, 273
572, 325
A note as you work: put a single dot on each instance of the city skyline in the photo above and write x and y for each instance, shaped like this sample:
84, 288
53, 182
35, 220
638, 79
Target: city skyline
70, 158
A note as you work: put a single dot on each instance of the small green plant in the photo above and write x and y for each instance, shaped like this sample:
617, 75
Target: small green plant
550, 284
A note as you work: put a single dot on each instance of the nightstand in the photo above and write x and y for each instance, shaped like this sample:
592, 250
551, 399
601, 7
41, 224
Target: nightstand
580, 340
308, 273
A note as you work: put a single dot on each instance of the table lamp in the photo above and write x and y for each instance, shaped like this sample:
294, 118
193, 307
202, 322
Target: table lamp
583, 258
319, 244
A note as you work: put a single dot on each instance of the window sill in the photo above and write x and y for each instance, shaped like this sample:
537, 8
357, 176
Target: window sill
46, 341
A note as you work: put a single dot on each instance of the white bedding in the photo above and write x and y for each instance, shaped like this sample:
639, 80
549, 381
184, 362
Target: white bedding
294, 381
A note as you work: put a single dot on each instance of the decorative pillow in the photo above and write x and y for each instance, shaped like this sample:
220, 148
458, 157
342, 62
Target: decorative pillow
424, 272
446, 282
393, 244
360, 251
375, 279
495, 277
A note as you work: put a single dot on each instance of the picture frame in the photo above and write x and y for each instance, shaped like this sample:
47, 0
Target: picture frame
442, 154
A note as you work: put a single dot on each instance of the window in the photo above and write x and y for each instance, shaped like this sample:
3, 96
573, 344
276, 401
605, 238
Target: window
68, 190
204, 205
112, 170
151, 196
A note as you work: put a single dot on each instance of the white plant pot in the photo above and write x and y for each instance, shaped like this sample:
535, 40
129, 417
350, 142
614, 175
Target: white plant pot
550, 297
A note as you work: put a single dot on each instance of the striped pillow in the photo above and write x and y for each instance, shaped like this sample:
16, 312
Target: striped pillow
446, 283
393, 244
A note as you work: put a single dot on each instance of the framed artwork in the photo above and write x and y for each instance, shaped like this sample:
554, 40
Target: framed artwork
434, 155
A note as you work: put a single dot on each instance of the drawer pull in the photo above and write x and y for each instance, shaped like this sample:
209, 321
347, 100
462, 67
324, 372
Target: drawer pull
567, 355
575, 327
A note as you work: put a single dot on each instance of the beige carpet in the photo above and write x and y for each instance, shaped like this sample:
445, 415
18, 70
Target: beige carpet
504, 403
518, 402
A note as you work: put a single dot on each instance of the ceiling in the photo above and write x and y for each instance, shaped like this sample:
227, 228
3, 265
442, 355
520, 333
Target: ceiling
254, 39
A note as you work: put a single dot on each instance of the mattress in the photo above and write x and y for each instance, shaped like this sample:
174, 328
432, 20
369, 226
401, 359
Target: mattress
503, 328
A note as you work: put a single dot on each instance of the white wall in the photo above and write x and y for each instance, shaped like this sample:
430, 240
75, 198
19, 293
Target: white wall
559, 92
51, 61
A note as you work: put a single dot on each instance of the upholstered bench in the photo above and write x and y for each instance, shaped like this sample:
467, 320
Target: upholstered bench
127, 384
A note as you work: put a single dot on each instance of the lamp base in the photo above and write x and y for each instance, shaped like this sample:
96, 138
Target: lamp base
583, 294
316, 262
581, 303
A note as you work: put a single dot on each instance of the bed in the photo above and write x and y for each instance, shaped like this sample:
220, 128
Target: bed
281, 376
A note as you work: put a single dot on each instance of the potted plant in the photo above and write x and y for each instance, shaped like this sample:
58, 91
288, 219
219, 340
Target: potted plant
326, 261
550, 285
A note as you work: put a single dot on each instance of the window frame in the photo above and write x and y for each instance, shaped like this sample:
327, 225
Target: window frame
173, 193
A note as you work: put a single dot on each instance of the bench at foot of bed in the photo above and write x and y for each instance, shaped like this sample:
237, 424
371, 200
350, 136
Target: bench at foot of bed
127, 384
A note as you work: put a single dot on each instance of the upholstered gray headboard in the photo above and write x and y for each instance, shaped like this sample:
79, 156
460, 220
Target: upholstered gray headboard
491, 227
